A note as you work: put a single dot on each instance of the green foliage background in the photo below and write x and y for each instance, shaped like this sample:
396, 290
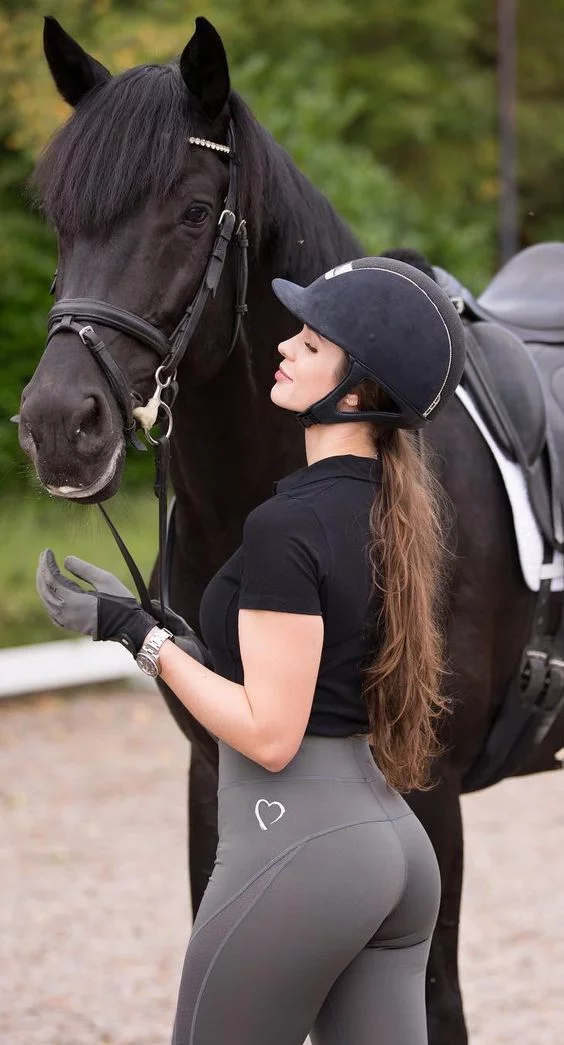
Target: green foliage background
389, 107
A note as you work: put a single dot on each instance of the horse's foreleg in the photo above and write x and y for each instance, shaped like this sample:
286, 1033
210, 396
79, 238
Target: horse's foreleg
202, 796
202, 819
440, 813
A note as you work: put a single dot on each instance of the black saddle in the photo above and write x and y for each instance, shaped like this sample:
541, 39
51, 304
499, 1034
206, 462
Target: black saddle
515, 370
526, 295
515, 374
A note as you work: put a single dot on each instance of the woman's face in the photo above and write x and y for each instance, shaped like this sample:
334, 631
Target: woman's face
311, 367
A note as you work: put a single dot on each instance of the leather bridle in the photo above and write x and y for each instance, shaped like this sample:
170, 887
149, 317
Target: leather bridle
76, 315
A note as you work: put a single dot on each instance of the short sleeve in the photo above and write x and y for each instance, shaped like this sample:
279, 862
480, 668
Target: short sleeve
282, 558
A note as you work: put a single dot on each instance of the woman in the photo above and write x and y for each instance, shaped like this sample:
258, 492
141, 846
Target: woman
324, 637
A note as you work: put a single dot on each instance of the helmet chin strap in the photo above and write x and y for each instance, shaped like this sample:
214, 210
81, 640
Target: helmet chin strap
325, 411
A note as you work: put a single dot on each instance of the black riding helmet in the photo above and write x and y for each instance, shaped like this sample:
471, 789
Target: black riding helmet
398, 328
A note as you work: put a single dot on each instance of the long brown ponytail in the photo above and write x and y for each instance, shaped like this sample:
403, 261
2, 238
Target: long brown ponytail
402, 686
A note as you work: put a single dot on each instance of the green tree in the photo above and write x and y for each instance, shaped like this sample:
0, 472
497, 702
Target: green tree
390, 109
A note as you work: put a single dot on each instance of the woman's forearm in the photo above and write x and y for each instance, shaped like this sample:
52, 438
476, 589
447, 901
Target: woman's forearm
223, 707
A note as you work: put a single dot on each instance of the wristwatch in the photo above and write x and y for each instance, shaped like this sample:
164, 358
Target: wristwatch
148, 656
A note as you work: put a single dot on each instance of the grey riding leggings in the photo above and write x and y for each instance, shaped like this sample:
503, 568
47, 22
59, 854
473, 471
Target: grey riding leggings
318, 916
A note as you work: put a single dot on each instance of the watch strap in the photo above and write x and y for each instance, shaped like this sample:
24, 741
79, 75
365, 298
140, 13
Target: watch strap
153, 644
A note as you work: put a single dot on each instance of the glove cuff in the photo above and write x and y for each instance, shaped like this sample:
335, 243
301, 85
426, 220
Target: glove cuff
124, 621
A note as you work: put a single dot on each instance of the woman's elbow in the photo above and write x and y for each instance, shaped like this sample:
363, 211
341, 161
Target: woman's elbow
274, 764
275, 756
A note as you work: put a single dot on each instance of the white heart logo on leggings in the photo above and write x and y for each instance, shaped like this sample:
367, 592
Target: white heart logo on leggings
263, 826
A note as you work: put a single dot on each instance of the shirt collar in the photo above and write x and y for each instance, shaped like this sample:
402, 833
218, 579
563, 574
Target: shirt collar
344, 466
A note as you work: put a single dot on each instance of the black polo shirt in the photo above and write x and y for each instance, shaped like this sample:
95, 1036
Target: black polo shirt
305, 551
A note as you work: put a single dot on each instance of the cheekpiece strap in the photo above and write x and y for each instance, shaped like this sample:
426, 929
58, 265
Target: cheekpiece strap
325, 410
226, 228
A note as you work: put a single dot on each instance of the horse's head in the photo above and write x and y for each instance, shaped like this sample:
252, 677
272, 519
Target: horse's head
136, 209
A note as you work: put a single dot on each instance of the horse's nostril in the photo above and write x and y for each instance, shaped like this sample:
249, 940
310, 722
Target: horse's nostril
88, 418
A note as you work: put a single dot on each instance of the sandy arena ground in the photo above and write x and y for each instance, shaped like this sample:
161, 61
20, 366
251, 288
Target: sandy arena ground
94, 914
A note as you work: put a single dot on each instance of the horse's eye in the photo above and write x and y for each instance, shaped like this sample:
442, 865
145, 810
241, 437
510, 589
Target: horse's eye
196, 214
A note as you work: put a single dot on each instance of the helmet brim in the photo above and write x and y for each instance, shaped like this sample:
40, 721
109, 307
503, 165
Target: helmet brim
295, 299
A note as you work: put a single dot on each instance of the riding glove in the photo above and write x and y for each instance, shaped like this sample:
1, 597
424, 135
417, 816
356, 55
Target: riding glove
110, 611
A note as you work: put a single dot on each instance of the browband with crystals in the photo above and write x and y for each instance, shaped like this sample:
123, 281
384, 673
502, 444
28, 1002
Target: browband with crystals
209, 145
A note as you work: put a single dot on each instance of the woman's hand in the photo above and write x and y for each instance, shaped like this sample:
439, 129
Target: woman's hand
109, 611
184, 636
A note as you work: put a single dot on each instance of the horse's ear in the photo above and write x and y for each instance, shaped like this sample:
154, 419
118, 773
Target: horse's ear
205, 71
74, 71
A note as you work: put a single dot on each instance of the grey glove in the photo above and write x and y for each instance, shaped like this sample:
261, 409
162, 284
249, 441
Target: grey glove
184, 636
109, 611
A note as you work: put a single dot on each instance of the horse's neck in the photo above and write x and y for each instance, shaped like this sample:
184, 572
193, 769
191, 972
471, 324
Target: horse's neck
304, 234
230, 442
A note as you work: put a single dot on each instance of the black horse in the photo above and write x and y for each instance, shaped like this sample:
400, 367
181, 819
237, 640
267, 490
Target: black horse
136, 208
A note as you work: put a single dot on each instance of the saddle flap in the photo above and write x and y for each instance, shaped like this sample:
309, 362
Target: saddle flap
516, 383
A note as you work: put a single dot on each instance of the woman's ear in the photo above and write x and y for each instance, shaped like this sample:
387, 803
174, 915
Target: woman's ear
348, 404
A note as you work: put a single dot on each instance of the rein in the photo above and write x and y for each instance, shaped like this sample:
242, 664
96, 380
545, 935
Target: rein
76, 315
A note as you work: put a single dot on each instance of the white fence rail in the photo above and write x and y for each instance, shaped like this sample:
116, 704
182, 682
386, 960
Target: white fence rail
56, 665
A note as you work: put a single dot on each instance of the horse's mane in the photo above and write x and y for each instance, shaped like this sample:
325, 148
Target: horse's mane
303, 230
127, 142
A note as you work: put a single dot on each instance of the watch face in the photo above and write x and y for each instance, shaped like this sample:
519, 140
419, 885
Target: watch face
148, 664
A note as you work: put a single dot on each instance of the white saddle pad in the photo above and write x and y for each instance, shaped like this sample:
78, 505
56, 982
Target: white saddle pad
529, 539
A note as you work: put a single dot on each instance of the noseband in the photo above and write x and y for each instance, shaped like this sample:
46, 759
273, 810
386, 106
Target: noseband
77, 314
